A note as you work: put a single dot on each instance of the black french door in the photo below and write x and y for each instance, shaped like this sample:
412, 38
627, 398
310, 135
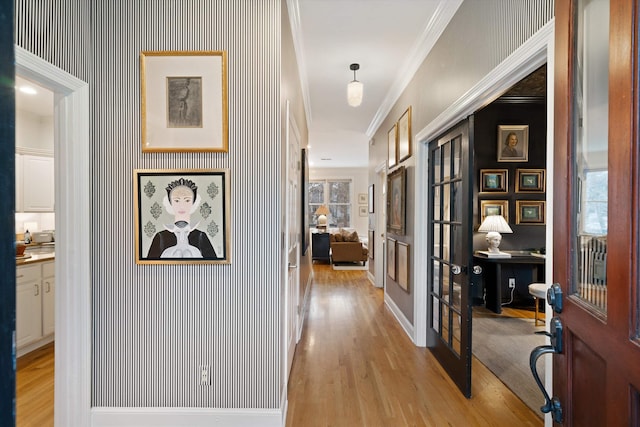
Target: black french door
450, 253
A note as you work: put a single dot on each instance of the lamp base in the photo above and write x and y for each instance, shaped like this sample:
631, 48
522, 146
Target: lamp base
495, 254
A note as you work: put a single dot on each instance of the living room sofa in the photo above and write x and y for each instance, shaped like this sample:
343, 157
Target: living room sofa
346, 247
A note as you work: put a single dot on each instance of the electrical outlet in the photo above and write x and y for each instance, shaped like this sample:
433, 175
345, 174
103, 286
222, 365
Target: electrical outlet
512, 282
205, 377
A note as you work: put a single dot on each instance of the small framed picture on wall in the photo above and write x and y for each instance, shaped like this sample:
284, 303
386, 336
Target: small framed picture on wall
530, 212
494, 181
494, 207
530, 181
392, 140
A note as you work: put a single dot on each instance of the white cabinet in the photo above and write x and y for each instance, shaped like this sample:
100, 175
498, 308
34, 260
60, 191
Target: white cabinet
28, 304
35, 305
48, 298
19, 183
38, 194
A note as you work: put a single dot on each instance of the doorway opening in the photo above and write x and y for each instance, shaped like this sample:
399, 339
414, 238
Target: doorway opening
72, 235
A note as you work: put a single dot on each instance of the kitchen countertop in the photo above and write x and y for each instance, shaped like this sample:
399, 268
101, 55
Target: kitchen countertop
37, 253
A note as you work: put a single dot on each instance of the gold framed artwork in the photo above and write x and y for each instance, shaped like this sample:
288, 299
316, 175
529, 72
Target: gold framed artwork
362, 198
513, 143
391, 258
396, 188
403, 265
530, 181
404, 135
494, 207
392, 142
184, 101
494, 181
530, 212
182, 216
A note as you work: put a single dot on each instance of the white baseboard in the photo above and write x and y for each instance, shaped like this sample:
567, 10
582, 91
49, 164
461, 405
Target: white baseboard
186, 417
35, 345
404, 322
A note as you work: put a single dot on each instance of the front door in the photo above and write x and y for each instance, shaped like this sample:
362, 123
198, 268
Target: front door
597, 374
450, 251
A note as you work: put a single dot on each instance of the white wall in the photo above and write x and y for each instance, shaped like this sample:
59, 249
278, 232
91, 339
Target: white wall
360, 180
34, 131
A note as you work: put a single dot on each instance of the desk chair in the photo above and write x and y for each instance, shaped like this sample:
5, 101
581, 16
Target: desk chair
538, 291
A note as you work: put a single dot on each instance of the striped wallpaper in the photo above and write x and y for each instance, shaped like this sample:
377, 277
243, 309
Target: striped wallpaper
154, 325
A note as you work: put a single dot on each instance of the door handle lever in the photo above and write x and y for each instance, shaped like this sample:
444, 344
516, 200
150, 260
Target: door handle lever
550, 404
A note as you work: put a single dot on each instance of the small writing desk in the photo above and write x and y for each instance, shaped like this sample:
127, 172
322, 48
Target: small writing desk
492, 274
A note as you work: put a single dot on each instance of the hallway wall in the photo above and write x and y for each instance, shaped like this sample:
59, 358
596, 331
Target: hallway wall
154, 325
479, 37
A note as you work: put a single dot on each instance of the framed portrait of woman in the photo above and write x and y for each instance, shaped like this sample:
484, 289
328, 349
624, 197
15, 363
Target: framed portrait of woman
182, 216
513, 143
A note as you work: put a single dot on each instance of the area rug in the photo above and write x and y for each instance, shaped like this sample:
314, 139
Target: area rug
503, 345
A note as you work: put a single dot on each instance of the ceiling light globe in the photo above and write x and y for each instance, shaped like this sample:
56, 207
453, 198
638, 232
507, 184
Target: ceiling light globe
354, 93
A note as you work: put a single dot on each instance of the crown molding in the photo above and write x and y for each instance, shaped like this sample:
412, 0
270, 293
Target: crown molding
420, 50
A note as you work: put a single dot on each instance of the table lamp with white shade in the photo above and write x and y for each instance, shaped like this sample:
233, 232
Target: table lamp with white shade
493, 225
322, 213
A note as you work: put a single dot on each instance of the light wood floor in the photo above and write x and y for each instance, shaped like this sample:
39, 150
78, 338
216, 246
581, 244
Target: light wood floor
34, 388
355, 366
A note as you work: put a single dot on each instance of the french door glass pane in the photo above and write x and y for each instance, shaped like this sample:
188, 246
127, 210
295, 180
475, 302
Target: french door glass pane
457, 157
590, 146
446, 161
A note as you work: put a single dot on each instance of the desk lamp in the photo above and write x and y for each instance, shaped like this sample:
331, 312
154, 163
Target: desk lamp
493, 225
322, 213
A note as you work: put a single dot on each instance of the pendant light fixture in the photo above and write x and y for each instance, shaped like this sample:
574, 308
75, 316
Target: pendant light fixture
354, 88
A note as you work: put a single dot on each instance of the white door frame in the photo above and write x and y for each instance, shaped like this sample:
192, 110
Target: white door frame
73, 236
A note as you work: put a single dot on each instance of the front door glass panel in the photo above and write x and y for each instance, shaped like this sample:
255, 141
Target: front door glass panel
590, 148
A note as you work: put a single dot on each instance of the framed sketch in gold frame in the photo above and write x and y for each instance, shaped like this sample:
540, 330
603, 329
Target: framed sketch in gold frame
392, 141
182, 216
530, 181
396, 200
530, 212
184, 101
391, 258
403, 265
404, 135
494, 207
494, 181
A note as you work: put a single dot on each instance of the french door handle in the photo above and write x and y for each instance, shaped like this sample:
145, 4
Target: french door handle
550, 404
477, 269
456, 269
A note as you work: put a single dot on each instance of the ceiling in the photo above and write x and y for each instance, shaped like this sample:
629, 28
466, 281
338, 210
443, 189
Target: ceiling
388, 38
39, 103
